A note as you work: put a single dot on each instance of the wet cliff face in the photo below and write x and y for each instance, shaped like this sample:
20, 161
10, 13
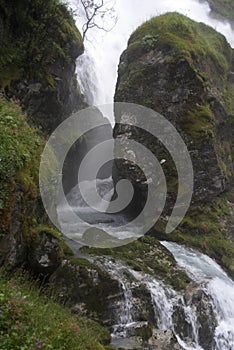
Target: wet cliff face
183, 70
39, 47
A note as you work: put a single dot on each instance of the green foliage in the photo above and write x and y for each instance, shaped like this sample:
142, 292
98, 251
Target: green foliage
55, 233
19, 143
149, 41
20, 148
29, 320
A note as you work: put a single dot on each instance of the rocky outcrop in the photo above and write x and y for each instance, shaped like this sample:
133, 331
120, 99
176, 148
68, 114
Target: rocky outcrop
178, 76
200, 303
40, 44
183, 70
86, 289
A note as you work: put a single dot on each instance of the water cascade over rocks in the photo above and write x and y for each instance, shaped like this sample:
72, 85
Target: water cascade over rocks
150, 314
97, 68
200, 317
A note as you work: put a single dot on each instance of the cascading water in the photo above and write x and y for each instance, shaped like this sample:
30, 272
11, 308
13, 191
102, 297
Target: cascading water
216, 284
97, 69
170, 307
210, 280
97, 73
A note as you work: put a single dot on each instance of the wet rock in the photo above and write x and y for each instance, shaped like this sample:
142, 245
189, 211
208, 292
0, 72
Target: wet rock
194, 311
164, 339
45, 253
86, 288
187, 92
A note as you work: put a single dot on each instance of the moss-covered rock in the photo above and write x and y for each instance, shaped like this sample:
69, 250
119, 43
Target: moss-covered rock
182, 70
39, 47
85, 287
24, 226
148, 255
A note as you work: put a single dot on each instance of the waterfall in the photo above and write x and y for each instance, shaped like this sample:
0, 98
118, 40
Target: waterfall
97, 73
215, 283
210, 279
175, 311
97, 68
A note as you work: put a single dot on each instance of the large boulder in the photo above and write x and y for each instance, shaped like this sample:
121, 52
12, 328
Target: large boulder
182, 70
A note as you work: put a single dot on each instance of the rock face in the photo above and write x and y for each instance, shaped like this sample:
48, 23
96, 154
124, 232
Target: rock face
184, 71
39, 44
86, 288
173, 65
39, 47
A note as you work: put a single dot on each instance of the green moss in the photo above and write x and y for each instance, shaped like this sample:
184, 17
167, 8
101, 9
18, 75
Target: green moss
65, 249
148, 255
177, 38
198, 122
186, 39
20, 148
37, 34
208, 228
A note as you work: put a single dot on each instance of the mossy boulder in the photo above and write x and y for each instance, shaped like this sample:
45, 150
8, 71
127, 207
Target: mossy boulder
39, 47
182, 69
85, 287
147, 255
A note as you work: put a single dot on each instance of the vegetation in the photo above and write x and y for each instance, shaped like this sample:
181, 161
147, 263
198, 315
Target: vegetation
29, 320
20, 148
179, 38
208, 228
39, 33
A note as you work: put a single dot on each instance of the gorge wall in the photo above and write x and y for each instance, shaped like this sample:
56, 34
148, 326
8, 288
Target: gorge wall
39, 44
173, 65
39, 47
183, 70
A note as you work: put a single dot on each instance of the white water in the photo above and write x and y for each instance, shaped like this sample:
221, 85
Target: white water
97, 70
74, 226
213, 281
217, 284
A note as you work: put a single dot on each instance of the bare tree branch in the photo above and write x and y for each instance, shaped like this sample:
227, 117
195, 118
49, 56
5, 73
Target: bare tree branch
97, 12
